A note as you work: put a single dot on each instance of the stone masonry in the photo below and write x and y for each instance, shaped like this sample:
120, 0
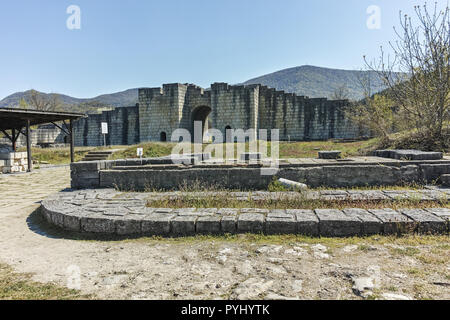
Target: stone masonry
108, 212
162, 110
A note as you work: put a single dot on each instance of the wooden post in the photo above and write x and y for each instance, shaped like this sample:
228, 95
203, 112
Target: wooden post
30, 161
72, 141
14, 140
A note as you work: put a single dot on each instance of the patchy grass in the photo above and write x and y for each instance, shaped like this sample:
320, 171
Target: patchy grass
308, 149
226, 200
19, 286
56, 155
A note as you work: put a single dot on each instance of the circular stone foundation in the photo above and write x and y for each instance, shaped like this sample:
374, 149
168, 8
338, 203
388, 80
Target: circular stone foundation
110, 212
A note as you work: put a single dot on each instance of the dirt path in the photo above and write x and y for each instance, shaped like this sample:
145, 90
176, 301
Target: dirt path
210, 268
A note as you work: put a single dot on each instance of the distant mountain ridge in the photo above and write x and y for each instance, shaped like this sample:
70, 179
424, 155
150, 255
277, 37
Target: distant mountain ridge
311, 81
318, 82
118, 99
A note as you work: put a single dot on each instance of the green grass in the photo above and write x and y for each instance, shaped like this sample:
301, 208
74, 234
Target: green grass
19, 286
287, 150
56, 155
226, 200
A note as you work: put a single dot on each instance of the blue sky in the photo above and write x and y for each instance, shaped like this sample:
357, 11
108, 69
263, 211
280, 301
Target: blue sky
137, 43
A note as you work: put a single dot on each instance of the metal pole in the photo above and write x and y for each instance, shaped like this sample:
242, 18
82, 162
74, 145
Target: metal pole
72, 141
30, 163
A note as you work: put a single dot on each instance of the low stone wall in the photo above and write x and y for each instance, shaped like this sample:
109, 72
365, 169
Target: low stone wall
159, 174
109, 212
13, 162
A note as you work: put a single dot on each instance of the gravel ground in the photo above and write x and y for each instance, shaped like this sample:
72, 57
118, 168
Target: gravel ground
242, 267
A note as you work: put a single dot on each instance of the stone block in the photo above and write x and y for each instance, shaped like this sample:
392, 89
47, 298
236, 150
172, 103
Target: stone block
334, 223
250, 222
426, 221
445, 179
156, 224
393, 221
443, 213
306, 221
209, 225
128, 225
370, 224
330, 154
280, 223
72, 222
183, 225
98, 224
228, 223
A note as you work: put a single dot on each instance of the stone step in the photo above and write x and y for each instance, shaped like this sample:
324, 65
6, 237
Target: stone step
445, 179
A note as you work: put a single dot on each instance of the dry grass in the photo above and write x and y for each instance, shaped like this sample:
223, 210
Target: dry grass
19, 286
226, 200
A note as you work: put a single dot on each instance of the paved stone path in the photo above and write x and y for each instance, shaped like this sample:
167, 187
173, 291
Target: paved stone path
431, 193
107, 211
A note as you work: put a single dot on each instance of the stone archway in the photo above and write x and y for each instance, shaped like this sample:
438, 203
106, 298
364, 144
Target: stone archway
200, 114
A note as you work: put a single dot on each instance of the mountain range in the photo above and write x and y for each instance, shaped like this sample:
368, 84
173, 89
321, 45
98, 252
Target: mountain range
310, 81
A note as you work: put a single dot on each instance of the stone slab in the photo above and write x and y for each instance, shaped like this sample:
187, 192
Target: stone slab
250, 222
426, 221
443, 213
208, 224
228, 224
183, 225
393, 221
334, 223
98, 224
157, 224
278, 222
306, 221
369, 223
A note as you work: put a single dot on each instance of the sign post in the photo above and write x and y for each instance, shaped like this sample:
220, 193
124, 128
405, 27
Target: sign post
140, 153
104, 131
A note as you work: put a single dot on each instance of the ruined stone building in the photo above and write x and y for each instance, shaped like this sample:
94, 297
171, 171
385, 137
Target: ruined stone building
162, 110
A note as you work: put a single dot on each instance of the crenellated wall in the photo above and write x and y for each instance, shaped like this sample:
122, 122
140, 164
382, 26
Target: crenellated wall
160, 111
123, 128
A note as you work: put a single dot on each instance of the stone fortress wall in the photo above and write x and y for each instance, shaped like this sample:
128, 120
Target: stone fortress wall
160, 111
298, 118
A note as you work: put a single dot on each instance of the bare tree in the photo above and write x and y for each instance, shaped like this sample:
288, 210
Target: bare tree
41, 102
341, 93
421, 91
375, 113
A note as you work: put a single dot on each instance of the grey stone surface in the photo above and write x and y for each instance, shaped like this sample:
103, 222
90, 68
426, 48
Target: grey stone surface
250, 222
409, 154
314, 174
393, 221
157, 224
426, 221
229, 224
281, 223
330, 154
209, 224
334, 223
443, 213
98, 224
126, 214
370, 224
306, 220
128, 225
183, 225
